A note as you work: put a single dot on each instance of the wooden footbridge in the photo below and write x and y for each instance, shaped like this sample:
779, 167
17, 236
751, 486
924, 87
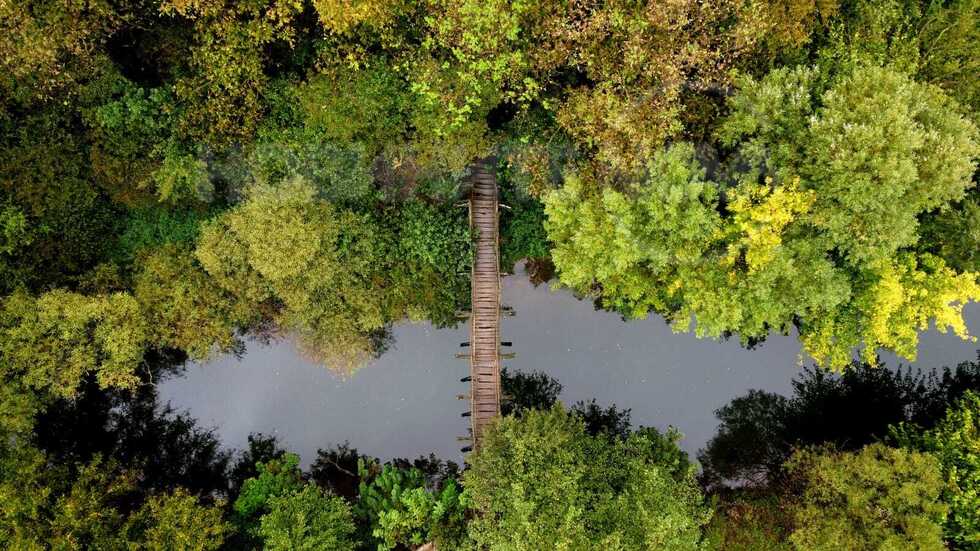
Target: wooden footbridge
484, 344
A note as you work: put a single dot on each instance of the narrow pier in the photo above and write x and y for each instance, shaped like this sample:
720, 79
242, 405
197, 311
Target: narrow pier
485, 313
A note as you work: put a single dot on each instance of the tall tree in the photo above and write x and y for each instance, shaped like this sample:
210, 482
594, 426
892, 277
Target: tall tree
819, 232
132, 428
307, 520
955, 441
48, 504
50, 343
876, 498
313, 267
185, 308
540, 481
759, 430
333, 277
401, 507
223, 89
48, 48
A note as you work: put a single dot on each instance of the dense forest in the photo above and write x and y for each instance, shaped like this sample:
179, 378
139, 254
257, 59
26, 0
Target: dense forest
179, 175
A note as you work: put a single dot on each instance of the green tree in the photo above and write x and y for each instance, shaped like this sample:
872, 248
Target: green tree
14, 232
186, 309
923, 158
276, 477
182, 178
316, 269
81, 514
948, 38
540, 481
522, 235
340, 173
876, 498
804, 237
401, 510
147, 229
134, 153
279, 476
629, 61
434, 247
954, 234
177, 520
222, 92
48, 344
341, 16
15, 236
24, 495
751, 523
935, 41
369, 106
955, 441
51, 505
305, 520
49, 48
397, 120
333, 277
45, 173
919, 159
633, 248
59, 337
759, 431
261, 449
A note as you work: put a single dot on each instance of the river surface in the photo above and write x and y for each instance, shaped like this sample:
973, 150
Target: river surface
404, 404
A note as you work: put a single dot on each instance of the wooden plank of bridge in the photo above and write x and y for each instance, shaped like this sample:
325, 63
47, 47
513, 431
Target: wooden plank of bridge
485, 316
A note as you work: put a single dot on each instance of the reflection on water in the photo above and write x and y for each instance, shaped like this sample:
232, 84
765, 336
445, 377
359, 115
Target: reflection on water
404, 404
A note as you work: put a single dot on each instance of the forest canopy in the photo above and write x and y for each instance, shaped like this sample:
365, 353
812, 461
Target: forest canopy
178, 176
817, 227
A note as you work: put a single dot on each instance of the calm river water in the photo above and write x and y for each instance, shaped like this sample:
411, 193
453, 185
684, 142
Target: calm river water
404, 404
